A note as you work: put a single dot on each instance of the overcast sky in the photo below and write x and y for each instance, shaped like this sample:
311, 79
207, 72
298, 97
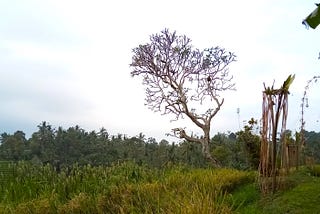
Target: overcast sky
67, 62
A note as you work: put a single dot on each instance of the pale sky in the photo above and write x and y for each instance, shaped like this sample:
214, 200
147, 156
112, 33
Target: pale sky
67, 62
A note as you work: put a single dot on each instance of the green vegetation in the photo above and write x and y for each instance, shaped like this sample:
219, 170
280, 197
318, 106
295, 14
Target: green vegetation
300, 194
131, 188
74, 171
122, 188
64, 147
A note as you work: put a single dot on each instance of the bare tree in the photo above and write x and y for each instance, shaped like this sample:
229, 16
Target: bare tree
179, 78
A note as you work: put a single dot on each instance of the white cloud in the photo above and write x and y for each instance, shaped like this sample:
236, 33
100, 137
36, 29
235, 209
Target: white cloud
68, 62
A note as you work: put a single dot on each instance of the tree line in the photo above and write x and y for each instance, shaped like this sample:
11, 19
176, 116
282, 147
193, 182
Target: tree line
65, 147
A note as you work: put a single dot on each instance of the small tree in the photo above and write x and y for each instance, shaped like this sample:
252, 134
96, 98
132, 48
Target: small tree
179, 78
251, 143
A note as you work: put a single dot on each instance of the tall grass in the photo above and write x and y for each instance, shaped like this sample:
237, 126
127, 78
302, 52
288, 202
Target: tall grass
121, 188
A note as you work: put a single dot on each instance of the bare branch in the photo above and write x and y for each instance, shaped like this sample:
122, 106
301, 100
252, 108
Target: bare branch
179, 77
181, 133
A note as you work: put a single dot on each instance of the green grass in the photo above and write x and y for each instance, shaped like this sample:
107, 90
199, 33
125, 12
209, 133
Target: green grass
301, 195
303, 198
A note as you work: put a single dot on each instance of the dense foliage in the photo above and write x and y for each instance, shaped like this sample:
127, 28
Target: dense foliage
65, 147
61, 147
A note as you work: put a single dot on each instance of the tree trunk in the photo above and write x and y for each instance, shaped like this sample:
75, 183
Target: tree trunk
206, 153
205, 142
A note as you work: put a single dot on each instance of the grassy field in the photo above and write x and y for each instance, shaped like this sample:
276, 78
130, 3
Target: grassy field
301, 195
130, 188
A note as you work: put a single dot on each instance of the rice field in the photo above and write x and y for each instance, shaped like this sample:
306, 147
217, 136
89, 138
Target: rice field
120, 188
